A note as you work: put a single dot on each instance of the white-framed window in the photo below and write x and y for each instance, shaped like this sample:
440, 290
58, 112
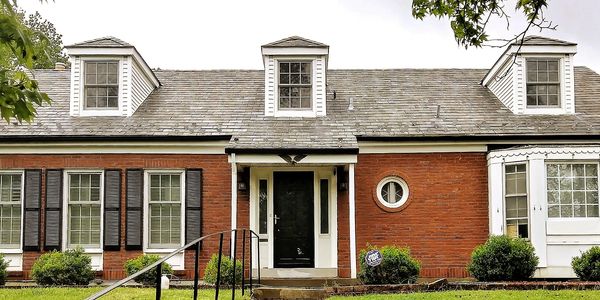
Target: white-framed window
295, 85
11, 210
164, 210
101, 85
83, 197
543, 82
263, 202
516, 200
572, 190
392, 191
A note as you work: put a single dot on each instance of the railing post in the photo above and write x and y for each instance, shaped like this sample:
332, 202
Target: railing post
250, 259
258, 256
243, 260
219, 267
158, 278
234, 277
197, 252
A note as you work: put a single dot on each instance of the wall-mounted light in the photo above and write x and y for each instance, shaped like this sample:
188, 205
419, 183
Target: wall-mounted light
243, 179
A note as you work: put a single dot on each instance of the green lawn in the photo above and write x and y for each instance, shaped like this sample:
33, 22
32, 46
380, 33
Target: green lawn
487, 295
118, 294
145, 293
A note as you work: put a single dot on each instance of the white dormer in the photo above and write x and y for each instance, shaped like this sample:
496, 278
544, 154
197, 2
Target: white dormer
108, 78
295, 77
541, 80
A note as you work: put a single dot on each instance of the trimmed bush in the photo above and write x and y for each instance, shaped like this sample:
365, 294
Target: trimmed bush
397, 266
587, 266
210, 274
71, 267
3, 272
503, 258
133, 265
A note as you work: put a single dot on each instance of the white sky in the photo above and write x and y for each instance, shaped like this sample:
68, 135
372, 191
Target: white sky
227, 34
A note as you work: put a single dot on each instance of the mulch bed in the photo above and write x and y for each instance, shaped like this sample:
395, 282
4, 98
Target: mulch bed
444, 285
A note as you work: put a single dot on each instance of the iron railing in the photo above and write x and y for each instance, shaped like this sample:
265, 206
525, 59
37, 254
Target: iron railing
196, 244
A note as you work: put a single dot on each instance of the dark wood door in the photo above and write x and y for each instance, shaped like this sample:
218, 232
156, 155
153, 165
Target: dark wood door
293, 195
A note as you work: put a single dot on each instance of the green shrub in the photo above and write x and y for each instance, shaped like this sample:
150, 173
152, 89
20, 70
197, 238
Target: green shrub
149, 278
210, 274
3, 272
71, 267
503, 258
587, 266
397, 266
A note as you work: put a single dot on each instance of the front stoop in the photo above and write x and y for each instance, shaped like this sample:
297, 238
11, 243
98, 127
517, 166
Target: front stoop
277, 293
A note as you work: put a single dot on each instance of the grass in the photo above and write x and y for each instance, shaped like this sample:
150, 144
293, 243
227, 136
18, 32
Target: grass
120, 293
146, 293
488, 295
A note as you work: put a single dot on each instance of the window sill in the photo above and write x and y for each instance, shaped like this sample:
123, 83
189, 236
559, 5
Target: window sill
154, 250
296, 113
100, 113
11, 251
545, 111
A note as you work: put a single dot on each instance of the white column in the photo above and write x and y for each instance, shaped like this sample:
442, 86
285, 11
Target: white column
537, 207
352, 209
496, 196
233, 196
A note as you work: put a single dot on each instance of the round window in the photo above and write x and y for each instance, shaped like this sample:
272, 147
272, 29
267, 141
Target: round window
392, 192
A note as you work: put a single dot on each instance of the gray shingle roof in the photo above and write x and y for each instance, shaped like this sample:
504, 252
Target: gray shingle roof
296, 41
103, 42
387, 103
543, 41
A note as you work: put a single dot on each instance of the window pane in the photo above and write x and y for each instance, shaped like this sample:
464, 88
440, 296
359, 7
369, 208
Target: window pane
165, 213
516, 204
10, 211
295, 89
324, 188
262, 204
101, 84
576, 190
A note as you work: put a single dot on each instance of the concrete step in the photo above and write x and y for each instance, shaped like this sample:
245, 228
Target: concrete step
306, 282
285, 293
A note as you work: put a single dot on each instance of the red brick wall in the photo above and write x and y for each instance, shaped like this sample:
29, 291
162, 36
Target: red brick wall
216, 195
446, 217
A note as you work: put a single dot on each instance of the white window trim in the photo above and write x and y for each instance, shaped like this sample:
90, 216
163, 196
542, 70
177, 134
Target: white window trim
22, 173
100, 112
146, 209
308, 113
545, 110
65, 210
526, 163
570, 162
402, 184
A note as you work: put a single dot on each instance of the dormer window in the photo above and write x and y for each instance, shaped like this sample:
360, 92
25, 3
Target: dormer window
101, 84
295, 85
543, 82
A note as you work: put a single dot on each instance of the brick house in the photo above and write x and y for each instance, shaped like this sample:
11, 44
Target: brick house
319, 162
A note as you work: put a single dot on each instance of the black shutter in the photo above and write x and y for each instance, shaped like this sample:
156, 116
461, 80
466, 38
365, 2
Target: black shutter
112, 209
54, 192
31, 223
193, 204
134, 209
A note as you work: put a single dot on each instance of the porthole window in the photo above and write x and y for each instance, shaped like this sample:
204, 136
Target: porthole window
392, 192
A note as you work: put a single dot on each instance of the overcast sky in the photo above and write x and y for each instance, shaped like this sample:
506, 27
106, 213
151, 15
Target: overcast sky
227, 34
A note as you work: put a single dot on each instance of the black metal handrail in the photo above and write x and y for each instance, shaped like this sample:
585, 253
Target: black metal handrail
196, 243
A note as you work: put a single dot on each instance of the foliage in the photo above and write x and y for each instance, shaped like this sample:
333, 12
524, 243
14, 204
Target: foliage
587, 265
134, 265
503, 258
70, 267
19, 94
396, 267
469, 18
3, 271
210, 274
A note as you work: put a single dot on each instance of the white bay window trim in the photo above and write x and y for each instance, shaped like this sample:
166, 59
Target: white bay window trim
177, 261
96, 253
14, 255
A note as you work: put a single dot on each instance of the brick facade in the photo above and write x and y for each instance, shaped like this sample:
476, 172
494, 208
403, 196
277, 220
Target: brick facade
216, 196
445, 218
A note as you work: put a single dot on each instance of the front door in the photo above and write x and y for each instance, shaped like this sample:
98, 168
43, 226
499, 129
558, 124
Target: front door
293, 195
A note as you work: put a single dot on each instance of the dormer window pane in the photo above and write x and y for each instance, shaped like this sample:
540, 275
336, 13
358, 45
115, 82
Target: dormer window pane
101, 84
543, 84
295, 86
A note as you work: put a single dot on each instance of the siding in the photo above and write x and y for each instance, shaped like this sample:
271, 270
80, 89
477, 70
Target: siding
270, 86
319, 86
75, 85
502, 87
568, 93
141, 87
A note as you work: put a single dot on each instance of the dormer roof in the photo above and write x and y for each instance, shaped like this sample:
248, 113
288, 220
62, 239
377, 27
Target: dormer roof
535, 40
295, 41
103, 42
